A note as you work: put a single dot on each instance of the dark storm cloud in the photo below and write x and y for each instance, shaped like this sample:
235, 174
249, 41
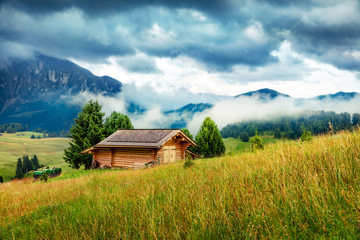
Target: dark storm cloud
95, 7
138, 64
333, 44
219, 34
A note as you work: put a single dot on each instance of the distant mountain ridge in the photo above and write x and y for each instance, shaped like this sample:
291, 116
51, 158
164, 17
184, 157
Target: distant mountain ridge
30, 90
191, 108
264, 94
339, 96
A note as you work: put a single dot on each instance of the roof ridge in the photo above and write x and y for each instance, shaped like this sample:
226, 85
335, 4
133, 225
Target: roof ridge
152, 129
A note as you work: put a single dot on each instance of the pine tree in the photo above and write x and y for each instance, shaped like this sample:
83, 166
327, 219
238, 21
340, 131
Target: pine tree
356, 119
19, 169
87, 131
35, 162
209, 139
115, 122
26, 164
277, 133
1, 179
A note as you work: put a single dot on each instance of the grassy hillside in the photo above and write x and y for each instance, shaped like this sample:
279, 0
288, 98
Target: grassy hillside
48, 150
235, 145
289, 190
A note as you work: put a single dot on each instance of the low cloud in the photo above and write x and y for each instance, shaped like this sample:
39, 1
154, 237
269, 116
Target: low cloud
251, 108
224, 112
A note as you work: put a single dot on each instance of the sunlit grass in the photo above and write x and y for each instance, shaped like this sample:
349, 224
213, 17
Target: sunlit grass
290, 190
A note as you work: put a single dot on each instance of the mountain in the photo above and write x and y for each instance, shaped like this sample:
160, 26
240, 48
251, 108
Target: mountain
181, 116
343, 96
31, 90
264, 94
191, 108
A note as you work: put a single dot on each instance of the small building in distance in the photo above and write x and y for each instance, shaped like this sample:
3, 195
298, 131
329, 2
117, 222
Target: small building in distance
137, 148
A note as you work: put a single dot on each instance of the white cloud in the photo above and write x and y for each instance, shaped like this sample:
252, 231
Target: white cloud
250, 108
255, 32
294, 74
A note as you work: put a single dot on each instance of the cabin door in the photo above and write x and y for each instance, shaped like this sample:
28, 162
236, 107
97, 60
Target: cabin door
169, 154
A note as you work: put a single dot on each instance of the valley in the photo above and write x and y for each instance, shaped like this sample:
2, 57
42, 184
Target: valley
14, 146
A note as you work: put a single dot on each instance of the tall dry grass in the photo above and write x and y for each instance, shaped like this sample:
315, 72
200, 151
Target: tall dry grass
290, 190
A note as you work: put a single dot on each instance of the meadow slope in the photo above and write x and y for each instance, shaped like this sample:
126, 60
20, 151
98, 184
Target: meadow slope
48, 150
290, 190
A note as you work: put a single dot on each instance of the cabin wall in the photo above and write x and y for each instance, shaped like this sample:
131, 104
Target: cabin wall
124, 157
103, 157
132, 158
180, 148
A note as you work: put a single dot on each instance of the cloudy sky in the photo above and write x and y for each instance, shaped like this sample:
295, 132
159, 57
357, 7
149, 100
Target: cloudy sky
227, 47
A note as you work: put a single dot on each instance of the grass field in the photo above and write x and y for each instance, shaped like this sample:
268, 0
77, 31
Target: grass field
290, 190
48, 150
235, 145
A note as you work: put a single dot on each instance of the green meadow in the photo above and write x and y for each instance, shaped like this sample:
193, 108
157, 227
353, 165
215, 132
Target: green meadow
289, 190
48, 150
235, 145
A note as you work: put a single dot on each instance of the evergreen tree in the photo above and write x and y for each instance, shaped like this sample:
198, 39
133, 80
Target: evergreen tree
1, 179
26, 164
115, 122
87, 131
244, 136
209, 140
19, 169
356, 119
35, 162
277, 133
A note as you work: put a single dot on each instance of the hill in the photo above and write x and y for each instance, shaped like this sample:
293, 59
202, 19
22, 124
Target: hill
48, 150
289, 190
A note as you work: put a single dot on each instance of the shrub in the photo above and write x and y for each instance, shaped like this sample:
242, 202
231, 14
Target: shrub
44, 177
306, 136
189, 162
256, 143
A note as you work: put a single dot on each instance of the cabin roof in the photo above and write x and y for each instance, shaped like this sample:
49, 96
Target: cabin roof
141, 138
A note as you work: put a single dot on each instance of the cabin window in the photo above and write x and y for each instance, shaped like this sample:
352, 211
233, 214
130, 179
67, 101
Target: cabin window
169, 154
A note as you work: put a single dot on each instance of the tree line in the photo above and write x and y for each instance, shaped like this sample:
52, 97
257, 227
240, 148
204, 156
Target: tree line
13, 127
292, 127
19, 127
26, 164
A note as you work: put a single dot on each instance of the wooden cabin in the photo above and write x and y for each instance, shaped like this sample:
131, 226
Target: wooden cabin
136, 148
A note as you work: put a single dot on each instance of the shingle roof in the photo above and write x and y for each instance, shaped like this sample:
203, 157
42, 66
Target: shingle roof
149, 138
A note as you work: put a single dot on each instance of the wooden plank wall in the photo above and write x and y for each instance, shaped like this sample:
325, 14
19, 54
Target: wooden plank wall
103, 157
180, 150
126, 158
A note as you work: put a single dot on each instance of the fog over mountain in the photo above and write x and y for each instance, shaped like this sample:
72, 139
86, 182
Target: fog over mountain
48, 93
